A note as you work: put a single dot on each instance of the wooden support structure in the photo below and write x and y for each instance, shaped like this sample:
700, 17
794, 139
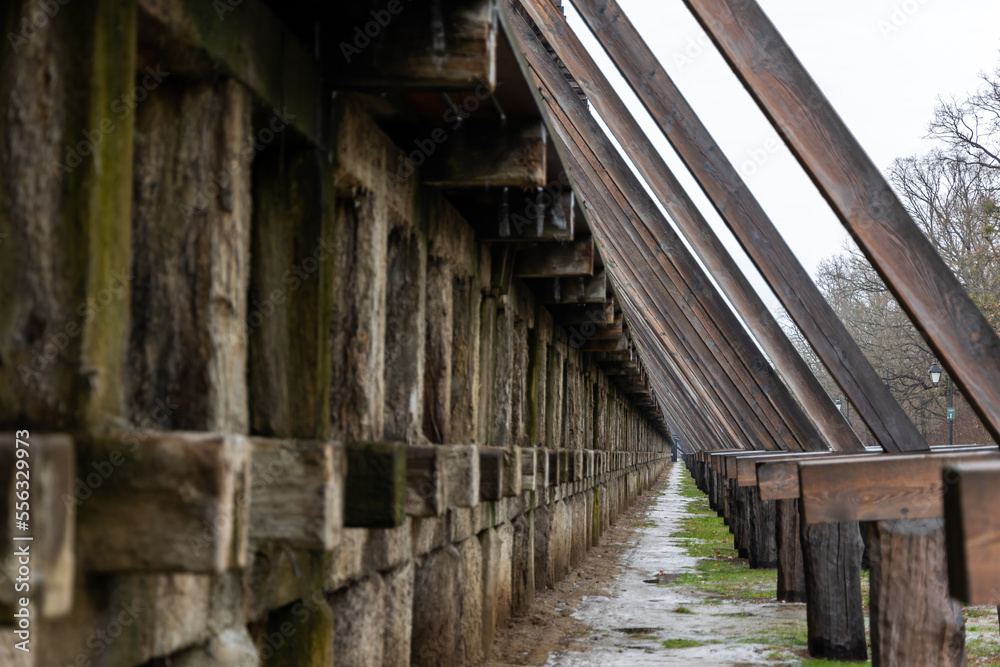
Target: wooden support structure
297, 495
175, 502
552, 260
970, 490
375, 490
426, 485
747, 220
925, 287
484, 154
517, 216
582, 289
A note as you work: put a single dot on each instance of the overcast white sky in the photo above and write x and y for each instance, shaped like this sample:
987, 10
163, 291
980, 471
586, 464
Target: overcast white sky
883, 64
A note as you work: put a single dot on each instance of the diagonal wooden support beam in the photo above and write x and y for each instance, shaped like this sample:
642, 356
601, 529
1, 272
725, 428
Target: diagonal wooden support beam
747, 220
831, 423
925, 287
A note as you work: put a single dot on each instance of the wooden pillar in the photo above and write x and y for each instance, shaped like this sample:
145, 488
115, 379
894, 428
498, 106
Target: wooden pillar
791, 575
761, 524
914, 620
832, 562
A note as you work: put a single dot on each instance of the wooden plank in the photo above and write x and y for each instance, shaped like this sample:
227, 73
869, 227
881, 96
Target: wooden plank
375, 495
405, 46
877, 487
801, 380
551, 260
39, 484
582, 289
176, 502
751, 226
530, 475
298, 492
512, 471
425, 481
926, 288
972, 535
480, 154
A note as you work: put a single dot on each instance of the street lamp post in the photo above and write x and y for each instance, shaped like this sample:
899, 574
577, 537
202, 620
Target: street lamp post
935, 372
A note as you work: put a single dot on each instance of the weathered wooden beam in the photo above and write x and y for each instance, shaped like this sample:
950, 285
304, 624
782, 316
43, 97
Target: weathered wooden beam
530, 475
582, 289
39, 485
512, 471
485, 154
748, 221
249, 43
174, 502
583, 315
878, 487
426, 486
926, 288
523, 217
490, 473
613, 331
551, 260
393, 48
297, 492
376, 484
693, 225
461, 473
972, 530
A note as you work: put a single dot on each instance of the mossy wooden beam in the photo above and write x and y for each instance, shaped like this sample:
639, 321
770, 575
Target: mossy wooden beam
376, 485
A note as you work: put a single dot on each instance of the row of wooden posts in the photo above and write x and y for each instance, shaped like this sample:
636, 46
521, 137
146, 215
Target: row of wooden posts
918, 520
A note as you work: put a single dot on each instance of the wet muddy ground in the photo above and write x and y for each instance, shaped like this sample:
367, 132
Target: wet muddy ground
666, 588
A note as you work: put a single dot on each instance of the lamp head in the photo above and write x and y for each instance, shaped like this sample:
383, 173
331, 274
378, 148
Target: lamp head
935, 372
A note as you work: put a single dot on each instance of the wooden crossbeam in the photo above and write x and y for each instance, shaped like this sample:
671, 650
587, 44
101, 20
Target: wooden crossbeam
298, 492
582, 289
552, 260
483, 154
576, 315
877, 487
404, 46
972, 531
516, 216
375, 495
746, 218
926, 288
490, 473
426, 488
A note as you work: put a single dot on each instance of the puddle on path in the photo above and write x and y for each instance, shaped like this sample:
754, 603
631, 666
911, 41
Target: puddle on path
630, 626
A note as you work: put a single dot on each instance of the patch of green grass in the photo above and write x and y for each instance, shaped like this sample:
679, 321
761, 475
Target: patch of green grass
981, 647
682, 610
793, 635
737, 614
645, 524
639, 635
979, 612
680, 643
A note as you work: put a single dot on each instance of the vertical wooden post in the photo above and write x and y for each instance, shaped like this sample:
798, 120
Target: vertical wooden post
832, 563
914, 620
791, 575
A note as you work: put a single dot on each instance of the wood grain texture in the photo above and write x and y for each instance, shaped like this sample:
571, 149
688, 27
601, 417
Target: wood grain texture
914, 620
972, 535
922, 283
835, 620
375, 488
751, 226
880, 487
791, 573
